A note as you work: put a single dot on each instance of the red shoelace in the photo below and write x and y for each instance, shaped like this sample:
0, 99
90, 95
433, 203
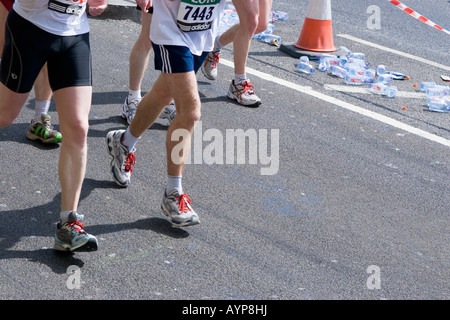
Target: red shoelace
76, 224
246, 86
214, 59
183, 202
129, 162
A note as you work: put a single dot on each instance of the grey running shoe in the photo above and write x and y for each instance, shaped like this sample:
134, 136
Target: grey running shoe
43, 131
177, 207
70, 236
169, 112
129, 109
209, 67
122, 160
243, 93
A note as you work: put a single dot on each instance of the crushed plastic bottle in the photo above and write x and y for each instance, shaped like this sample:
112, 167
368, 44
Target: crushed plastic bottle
338, 71
324, 64
279, 15
342, 60
305, 67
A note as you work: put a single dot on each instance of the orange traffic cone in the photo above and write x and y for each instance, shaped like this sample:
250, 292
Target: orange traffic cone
317, 32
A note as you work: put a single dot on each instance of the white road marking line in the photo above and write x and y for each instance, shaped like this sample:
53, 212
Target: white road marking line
365, 90
342, 104
400, 53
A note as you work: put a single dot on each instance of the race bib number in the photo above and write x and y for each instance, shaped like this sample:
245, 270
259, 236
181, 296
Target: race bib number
196, 15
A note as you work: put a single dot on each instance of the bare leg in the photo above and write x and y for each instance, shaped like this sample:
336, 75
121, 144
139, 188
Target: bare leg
139, 56
10, 105
183, 88
73, 105
42, 88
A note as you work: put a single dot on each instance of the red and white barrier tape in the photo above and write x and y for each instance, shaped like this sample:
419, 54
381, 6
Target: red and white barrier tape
416, 15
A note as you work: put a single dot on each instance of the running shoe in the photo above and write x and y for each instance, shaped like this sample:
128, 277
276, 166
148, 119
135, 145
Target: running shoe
177, 206
129, 109
43, 131
71, 236
122, 160
209, 67
243, 93
169, 112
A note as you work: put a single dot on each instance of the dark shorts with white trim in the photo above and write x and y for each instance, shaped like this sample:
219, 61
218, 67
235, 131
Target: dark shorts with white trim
177, 59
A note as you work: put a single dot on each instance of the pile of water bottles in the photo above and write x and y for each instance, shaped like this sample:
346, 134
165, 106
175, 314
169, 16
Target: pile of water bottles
354, 69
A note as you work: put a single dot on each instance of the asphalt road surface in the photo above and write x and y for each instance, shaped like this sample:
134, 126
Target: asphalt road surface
340, 194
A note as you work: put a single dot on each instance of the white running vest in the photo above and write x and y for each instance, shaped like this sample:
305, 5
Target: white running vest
60, 17
188, 23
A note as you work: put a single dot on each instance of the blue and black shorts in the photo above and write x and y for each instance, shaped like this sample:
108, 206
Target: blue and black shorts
177, 59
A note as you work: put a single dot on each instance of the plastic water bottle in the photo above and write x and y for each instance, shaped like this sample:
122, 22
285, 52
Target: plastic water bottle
324, 64
355, 69
383, 89
338, 71
424, 85
438, 91
279, 15
385, 78
344, 49
360, 62
357, 55
391, 91
342, 61
438, 104
270, 38
354, 79
378, 88
304, 59
369, 75
381, 69
332, 59
305, 67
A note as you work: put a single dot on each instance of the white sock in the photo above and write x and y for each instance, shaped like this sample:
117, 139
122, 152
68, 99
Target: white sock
239, 78
134, 94
128, 140
174, 182
41, 107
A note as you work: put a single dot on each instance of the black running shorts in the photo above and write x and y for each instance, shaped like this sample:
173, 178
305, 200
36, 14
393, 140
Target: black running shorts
28, 47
